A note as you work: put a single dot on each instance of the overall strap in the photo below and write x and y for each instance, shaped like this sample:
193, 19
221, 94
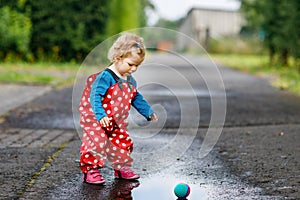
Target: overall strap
113, 74
118, 80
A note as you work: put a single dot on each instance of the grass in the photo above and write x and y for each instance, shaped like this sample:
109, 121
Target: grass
281, 77
53, 74
62, 74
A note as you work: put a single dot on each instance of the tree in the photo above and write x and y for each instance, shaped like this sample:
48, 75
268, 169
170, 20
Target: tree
63, 30
125, 15
279, 20
15, 32
68, 29
67, 26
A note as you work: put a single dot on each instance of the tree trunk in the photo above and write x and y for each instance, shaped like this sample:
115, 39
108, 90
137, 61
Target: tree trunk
284, 57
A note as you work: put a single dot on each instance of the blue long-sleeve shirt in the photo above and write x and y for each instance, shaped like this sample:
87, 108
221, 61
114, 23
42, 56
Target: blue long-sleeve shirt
99, 88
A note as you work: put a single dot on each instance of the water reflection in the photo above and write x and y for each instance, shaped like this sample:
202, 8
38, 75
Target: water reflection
115, 190
122, 189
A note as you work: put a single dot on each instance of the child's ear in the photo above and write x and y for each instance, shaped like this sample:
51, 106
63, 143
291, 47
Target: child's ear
118, 59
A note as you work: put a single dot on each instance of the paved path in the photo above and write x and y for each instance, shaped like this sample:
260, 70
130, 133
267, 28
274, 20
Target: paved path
34, 138
256, 156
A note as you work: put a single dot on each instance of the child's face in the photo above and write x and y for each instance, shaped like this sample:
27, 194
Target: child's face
128, 65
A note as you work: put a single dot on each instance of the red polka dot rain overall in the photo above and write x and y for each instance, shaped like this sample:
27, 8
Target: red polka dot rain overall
113, 142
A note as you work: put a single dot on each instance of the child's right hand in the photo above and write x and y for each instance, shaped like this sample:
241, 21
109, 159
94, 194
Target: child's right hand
105, 122
154, 117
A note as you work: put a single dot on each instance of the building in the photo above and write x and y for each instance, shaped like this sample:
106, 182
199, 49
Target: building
202, 23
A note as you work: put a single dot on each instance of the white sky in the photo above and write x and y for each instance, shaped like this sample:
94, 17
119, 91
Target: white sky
175, 9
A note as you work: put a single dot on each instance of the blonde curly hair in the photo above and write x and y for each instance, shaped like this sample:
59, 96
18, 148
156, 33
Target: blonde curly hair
127, 44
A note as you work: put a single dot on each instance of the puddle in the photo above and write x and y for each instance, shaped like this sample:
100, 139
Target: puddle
163, 188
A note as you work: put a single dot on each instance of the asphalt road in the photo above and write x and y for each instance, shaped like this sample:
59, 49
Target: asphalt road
255, 157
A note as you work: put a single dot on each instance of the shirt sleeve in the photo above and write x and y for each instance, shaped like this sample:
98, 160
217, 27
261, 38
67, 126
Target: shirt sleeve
99, 88
140, 104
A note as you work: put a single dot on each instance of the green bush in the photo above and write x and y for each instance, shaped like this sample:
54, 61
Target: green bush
15, 34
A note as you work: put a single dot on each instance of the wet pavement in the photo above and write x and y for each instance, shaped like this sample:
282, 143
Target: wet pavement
256, 156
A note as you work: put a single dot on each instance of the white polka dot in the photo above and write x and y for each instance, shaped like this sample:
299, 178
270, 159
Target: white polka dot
119, 98
116, 108
128, 90
112, 102
98, 128
88, 99
117, 141
83, 98
121, 136
84, 135
92, 133
115, 92
95, 124
95, 161
96, 139
88, 120
114, 135
102, 145
117, 115
107, 150
122, 105
109, 96
131, 95
102, 135
81, 108
87, 155
126, 96
122, 151
85, 103
104, 105
90, 109
123, 144
108, 112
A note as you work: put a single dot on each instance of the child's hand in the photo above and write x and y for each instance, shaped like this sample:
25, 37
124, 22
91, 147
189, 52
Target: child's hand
105, 121
153, 117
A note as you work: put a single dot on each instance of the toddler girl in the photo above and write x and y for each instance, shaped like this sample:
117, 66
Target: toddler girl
104, 107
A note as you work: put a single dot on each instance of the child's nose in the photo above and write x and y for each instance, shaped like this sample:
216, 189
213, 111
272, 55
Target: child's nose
134, 68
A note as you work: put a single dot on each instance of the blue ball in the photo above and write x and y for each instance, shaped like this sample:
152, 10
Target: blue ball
182, 190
